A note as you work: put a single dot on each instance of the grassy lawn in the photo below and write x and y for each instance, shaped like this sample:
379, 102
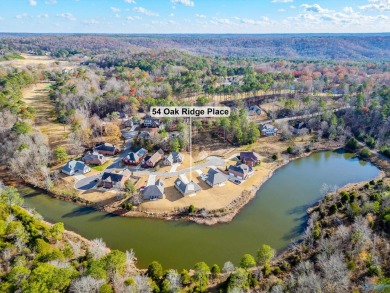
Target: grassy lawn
102, 167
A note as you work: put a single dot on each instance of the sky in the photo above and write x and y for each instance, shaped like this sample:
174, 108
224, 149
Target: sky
195, 16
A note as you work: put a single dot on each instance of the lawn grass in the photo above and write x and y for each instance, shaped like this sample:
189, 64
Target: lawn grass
102, 167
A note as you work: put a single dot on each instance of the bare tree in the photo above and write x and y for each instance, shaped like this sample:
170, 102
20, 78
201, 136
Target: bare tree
228, 267
86, 285
98, 248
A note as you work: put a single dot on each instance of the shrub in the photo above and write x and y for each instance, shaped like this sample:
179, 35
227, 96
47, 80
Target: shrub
370, 142
191, 209
290, 150
375, 196
276, 270
374, 270
352, 144
351, 265
266, 269
333, 209
22, 128
345, 197
365, 153
275, 157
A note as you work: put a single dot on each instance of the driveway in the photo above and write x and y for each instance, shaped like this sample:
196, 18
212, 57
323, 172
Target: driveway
87, 183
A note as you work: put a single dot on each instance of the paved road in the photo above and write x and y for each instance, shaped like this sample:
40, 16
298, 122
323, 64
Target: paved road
300, 116
211, 161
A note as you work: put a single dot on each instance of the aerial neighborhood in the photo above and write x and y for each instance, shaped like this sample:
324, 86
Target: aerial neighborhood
154, 164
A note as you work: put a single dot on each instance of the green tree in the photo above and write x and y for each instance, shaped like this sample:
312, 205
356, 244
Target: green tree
57, 230
129, 187
265, 254
238, 280
115, 262
352, 144
201, 275
47, 278
60, 154
365, 153
10, 196
175, 145
247, 261
185, 277
215, 271
22, 128
155, 270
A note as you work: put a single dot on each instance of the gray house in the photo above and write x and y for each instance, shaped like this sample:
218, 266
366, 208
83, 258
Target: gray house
254, 110
240, 171
268, 130
154, 191
73, 167
185, 187
215, 178
173, 158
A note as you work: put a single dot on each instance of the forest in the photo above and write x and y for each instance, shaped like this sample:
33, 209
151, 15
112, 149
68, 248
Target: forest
369, 47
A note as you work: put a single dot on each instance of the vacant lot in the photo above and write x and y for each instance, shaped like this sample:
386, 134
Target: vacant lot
37, 96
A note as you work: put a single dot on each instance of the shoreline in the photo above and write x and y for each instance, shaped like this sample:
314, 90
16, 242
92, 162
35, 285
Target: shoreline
204, 217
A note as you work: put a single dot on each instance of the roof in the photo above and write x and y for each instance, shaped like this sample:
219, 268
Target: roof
240, 168
266, 127
156, 189
135, 156
105, 147
249, 156
299, 125
157, 156
93, 155
185, 189
74, 165
215, 177
174, 156
115, 177
151, 120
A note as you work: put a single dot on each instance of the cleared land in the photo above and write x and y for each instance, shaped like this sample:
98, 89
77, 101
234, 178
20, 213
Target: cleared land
37, 96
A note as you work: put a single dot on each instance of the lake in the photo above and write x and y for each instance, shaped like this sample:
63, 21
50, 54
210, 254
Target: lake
276, 216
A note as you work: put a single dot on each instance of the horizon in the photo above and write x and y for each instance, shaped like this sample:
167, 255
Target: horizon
197, 34
178, 17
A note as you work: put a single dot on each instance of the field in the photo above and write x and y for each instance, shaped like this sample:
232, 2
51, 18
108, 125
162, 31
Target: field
37, 97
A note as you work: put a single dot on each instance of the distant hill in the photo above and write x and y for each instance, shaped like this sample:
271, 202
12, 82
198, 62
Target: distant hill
297, 46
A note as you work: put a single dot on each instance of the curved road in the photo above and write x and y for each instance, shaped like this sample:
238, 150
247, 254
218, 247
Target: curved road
211, 161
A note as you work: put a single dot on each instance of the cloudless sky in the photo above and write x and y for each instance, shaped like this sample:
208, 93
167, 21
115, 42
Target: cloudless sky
195, 16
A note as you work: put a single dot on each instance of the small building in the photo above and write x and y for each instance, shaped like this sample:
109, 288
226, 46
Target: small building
254, 110
173, 158
134, 158
154, 159
240, 171
215, 178
117, 180
75, 167
268, 130
250, 158
128, 122
152, 122
94, 158
107, 149
185, 187
154, 191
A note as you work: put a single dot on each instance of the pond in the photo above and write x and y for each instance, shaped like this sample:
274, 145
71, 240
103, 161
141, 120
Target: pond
276, 216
